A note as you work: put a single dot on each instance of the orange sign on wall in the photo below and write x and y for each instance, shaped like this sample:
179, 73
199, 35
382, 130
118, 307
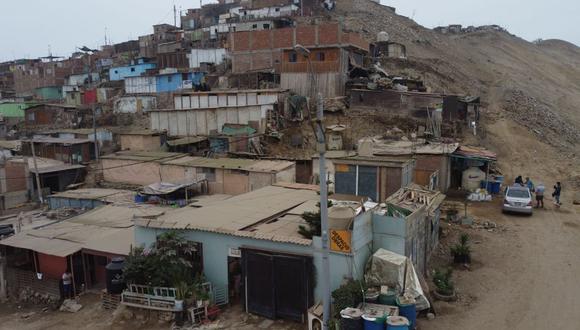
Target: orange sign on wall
340, 240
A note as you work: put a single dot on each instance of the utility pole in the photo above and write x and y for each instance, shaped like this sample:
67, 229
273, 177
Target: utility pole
36, 174
323, 212
321, 146
3, 295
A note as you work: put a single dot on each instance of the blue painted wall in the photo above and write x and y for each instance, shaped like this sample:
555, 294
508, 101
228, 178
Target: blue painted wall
216, 247
389, 233
172, 82
122, 72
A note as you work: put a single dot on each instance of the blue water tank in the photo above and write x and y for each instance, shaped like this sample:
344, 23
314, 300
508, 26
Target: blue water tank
374, 320
408, 309
397, 323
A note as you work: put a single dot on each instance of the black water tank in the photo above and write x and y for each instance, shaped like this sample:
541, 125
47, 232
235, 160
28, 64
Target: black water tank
115, 281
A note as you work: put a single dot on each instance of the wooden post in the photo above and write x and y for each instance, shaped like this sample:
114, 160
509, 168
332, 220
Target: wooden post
83, 256
72, 272
38, 188
3, 295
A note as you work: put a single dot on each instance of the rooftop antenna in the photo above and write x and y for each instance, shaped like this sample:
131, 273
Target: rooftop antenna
105, 36
174, 15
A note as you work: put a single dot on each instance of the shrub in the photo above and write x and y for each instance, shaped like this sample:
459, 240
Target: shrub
443, 282
348, 295
461, 251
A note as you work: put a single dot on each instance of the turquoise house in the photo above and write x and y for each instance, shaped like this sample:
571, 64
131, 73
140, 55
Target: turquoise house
137, 68
173, 81
52, 93
257, 233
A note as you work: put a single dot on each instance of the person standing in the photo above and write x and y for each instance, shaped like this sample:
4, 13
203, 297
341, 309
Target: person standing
557, 192
67, 284
519, 180
540, 195
529, 184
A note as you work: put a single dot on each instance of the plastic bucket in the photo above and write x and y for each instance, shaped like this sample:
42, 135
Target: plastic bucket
372, 296
397, 323
351, 319
408, 309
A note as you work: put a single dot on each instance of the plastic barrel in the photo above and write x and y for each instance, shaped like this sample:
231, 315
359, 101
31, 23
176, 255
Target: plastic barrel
397, 323
408, 309
351, 319
389, 298
374, 320
371, 296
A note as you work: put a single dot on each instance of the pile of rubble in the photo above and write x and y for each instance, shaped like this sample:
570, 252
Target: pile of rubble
27, 295
541, 120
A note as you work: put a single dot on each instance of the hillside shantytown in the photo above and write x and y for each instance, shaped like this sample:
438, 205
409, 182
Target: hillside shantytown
292, 164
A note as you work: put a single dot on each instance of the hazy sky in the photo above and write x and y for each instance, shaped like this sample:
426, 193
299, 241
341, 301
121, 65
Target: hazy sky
28, 27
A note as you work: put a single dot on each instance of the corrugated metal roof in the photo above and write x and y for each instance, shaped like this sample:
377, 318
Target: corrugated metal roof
241, 215
55, 168
145, 156
60, 140
106, 229
233, 164
187, 140
90, 193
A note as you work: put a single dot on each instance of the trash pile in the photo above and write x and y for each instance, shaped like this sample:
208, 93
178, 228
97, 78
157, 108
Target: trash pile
480, 195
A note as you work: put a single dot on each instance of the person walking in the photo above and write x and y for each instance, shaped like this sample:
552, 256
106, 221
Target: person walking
557, 192
67, 284
540, 188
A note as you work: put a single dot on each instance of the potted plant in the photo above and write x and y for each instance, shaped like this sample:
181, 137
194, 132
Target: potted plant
461, 251
444, 288
182, 293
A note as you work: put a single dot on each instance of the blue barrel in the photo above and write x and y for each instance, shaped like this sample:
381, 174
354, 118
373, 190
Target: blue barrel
374, 320
397, 323
140, 198
408, 309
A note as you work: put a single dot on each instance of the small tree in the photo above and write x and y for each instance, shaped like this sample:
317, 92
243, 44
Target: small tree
443, 283
164, 264
314, 224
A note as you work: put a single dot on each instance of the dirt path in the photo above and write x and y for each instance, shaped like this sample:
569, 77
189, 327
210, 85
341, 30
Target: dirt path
526, 278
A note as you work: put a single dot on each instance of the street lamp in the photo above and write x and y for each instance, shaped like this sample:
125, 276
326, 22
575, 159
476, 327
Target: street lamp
321, 146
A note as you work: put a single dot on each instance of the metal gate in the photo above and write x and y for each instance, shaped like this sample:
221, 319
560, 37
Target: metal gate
277, 285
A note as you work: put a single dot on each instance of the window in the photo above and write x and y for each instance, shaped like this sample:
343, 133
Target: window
132, 69
116, 71
266, 26
320, 56
254, 26
277, 9
169, 79
208, 173
292, 57
239, 172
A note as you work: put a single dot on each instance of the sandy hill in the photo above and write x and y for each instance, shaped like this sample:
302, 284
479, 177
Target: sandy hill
532, 90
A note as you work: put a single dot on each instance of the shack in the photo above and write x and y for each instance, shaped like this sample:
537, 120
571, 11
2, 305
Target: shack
259, 231
365, 174
84, 244
70, 151
88, 198
409, 224
142, 140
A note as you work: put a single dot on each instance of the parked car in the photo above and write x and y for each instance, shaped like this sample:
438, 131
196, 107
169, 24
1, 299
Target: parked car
518, 199
6, 230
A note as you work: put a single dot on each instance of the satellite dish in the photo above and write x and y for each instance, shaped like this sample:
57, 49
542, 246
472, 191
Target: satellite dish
382, 36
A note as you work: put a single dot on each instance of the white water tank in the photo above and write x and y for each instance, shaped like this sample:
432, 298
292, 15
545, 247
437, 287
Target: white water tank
471, 179
382, 36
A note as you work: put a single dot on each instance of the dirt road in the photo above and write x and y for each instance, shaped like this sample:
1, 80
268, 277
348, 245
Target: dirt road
527, 278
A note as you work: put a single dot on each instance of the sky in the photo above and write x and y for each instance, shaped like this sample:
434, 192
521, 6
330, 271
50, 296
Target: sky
29, 28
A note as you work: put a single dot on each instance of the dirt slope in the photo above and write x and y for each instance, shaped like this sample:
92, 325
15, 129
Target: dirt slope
532, 90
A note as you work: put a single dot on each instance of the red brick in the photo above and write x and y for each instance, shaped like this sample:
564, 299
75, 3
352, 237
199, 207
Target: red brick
328, 34
305, 35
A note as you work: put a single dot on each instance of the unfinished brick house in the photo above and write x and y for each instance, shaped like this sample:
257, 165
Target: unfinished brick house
331, 50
